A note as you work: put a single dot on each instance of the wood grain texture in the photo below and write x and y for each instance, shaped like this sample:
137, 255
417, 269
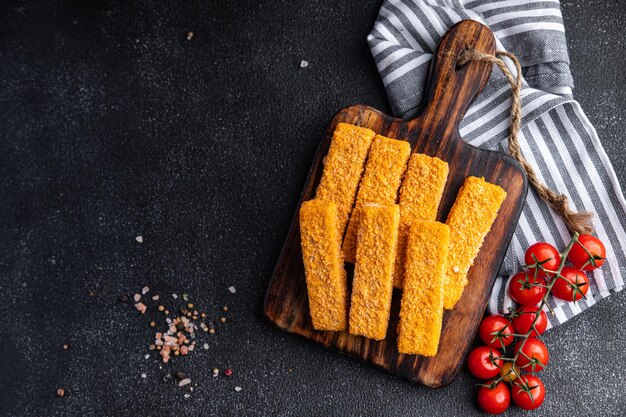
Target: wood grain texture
434, 132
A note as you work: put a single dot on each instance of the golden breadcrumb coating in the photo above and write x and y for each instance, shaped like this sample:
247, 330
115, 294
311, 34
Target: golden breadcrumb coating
343, 168
373, 273
385, 167
326, 280
421, 309
470, 219
420, 196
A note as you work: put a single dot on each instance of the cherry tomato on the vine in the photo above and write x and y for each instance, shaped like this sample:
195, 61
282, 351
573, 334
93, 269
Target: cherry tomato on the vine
529, 392
543, 253
509, 372
573, 285
524, 321
495, 325
494, 400
533, 356
482, 362
579, 257
526, 287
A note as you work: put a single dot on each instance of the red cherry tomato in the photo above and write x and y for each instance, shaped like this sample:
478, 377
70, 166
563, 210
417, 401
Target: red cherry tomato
523, 288
543, 253
573, 286
524, 321
480, 362
529, 392
534, 355
494, 400
581, 259
495, 331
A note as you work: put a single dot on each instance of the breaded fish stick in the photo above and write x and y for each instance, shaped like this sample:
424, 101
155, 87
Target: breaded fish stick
373, 273
343, 168
421, 309
326, 280
383, 173
420, 196
470, 219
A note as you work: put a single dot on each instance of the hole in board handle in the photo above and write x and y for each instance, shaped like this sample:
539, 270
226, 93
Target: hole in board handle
458, 66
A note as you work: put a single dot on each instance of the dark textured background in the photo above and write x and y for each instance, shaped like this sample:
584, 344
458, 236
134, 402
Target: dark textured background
113, 125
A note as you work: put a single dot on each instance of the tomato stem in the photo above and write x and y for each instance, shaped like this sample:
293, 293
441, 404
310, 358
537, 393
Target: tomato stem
555, 276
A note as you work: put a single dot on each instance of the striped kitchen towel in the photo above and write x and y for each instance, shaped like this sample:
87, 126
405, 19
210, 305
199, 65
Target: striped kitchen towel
556, 136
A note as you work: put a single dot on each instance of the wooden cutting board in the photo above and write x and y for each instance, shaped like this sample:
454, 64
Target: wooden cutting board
434, 132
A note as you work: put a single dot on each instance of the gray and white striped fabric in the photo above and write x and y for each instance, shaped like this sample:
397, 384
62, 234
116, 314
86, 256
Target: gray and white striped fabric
556, 137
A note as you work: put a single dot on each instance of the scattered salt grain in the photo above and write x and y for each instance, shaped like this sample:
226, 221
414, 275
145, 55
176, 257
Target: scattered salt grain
455, 269
187, 395
139, 239
189, 36
180, 335
237, 388
304, 64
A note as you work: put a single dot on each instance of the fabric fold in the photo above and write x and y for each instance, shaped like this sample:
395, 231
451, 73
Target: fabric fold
556, 136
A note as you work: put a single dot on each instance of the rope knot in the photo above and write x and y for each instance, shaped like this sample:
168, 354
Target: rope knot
561, 203
468, 55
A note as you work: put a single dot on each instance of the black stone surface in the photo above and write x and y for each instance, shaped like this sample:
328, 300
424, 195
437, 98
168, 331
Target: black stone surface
114, 125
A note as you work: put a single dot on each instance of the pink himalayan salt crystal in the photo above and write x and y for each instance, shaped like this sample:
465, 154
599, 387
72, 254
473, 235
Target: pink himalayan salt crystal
141, 307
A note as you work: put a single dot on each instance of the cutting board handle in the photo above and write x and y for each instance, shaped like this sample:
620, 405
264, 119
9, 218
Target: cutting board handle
451, 88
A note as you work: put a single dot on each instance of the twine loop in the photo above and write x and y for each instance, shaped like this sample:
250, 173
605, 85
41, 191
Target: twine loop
579, 222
